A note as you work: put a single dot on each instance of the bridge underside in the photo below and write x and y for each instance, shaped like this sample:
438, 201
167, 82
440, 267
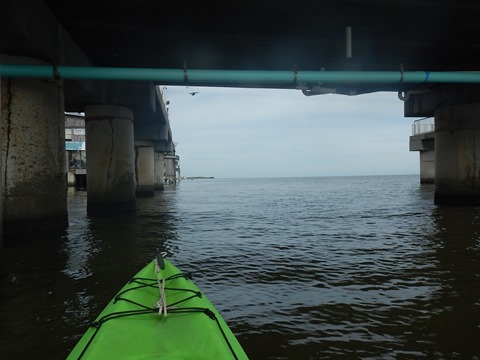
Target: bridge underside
371, 35
311, 35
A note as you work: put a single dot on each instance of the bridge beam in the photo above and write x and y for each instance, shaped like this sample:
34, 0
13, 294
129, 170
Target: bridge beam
424, 102
110, 159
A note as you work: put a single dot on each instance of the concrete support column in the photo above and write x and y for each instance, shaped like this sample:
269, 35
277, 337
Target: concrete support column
71, 180
33, 153
170, 169
159, 165
427, 167
424, 142
111, 159
1, 186
144, 170
457, 155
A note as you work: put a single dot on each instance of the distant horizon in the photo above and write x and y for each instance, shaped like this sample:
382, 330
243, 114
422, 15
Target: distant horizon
201, 177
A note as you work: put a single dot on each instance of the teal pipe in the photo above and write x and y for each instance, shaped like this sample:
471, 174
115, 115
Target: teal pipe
206, 77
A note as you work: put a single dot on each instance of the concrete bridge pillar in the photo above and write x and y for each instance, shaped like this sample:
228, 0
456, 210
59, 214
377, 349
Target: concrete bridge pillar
111, 159
424, 143
170, 169
144, 170
457, 155
33, 153
1, 186
159, 164
427, 167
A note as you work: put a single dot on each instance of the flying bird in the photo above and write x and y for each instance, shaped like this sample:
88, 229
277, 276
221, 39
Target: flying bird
194, 93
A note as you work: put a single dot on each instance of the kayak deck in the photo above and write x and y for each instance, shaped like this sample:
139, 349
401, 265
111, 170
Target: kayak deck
145, 322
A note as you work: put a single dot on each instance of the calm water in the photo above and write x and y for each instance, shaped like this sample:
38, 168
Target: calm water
301, 268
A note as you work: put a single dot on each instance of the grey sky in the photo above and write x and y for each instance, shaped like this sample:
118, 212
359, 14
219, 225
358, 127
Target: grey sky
231, 133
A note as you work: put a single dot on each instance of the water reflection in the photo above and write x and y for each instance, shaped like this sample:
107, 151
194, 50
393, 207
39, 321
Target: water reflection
453, 326
57, 282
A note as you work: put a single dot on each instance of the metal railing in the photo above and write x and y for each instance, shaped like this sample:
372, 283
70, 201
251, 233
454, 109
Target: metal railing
424, 125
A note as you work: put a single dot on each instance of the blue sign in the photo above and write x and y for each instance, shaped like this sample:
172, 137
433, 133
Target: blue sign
74, 145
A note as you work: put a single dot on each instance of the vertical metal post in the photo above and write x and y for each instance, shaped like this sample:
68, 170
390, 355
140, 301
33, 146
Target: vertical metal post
348, 43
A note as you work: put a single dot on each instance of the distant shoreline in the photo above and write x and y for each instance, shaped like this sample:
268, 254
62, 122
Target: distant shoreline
198, 177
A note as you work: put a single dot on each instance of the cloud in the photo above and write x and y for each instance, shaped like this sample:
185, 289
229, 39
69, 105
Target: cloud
226, 132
